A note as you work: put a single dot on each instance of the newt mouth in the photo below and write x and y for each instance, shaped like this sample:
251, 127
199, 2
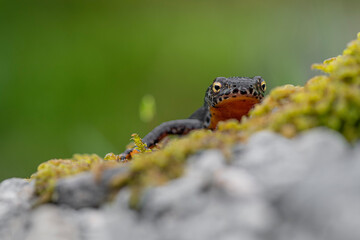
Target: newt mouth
233, 106
242, 95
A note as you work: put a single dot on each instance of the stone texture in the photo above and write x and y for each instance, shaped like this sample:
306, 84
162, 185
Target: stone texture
273, 188
16, 196
84, 190
277, 163
51, 222
325, 205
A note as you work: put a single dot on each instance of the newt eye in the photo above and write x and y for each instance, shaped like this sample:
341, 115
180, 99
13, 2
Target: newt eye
216, 87
263, 85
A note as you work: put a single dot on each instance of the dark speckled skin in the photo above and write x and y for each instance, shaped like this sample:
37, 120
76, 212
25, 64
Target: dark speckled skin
222, 92
234, 85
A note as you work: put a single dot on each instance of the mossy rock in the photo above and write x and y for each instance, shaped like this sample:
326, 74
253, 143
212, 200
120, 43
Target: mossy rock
331, 100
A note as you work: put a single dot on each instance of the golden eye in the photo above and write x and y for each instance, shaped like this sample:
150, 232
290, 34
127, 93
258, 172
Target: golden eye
216, 87
263, 85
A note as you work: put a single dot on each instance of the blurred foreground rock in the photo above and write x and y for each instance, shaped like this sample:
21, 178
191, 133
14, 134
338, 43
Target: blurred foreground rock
273, 188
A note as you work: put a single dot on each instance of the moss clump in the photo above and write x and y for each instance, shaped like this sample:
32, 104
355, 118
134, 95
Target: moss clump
49, 172
140, 146
332, 101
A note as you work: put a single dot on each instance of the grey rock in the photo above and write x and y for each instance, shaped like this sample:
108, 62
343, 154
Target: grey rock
62, 223
277, 163
80, 191
325, 205
274, 188
207, 161
16, 193
237, 183
93, 224
51, 222
16, 198
84, 190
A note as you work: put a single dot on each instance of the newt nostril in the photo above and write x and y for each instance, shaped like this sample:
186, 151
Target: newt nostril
242, 91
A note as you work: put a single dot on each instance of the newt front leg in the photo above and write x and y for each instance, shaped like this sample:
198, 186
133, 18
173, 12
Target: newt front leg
176, 127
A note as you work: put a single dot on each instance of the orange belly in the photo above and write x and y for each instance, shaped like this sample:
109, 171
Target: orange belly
232, 108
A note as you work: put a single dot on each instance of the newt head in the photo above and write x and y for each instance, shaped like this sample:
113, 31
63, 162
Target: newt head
232, 98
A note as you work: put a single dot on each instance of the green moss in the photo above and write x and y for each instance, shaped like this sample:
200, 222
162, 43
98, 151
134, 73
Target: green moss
50, 171
331, 100
140, 146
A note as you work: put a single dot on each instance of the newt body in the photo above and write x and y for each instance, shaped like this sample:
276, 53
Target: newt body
225, 98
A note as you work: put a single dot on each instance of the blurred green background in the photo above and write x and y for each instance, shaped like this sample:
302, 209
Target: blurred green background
72, 73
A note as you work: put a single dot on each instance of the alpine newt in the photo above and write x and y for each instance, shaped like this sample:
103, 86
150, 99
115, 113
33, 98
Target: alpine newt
225, 98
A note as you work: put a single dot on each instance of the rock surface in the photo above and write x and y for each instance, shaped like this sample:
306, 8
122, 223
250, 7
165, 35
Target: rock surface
16, 197
273, 188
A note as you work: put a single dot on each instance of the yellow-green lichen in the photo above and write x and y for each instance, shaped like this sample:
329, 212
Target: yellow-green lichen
50, 171
332, 101
140, 146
